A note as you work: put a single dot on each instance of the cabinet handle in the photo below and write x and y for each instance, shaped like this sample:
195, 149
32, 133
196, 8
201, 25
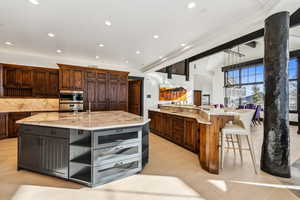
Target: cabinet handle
119, 164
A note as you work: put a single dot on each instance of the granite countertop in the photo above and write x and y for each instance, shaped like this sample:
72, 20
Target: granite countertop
183, 114
209, 111
86, 121
29, 110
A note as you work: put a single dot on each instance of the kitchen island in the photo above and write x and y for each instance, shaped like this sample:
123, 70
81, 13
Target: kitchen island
89, 148
194, 128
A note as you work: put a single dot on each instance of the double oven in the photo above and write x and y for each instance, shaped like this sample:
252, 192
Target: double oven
70, 100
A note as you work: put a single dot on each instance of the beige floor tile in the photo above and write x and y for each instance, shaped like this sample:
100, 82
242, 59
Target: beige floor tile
172, 173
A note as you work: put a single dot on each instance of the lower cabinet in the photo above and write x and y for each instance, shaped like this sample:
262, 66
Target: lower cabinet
190, 138
49, 155
180, 130
3, 125
54, 156
13, 127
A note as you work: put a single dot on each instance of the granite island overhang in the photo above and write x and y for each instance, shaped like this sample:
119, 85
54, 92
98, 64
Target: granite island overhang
89, 148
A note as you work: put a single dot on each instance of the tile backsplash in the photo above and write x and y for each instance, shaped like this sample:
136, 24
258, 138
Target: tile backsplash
27, 104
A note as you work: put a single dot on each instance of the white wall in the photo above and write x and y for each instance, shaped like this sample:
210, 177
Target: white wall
203, 83
218, 87
152, 82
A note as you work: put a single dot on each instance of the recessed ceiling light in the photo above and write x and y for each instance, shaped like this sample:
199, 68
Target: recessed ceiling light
183, 44
108, 23
51, 34
126, 61
97, 57
101, 45
155, 36
34, 2
160, 57
58, 51
9, 43
191, 5
138, 52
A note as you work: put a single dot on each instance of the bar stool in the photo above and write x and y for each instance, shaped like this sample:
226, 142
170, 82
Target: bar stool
240, 127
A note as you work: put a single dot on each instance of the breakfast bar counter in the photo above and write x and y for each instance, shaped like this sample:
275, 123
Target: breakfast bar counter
194, 128
89, 148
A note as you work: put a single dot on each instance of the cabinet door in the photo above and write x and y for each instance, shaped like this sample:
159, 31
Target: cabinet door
152, 123
177, 130
189, 140
123, 93
113, 91
102, 92
40, 78
168, 127
91, 89
13, 128
10, 78
24, 76
77, 79
52, 87
29, 151
3, 125
65, 79
54, 156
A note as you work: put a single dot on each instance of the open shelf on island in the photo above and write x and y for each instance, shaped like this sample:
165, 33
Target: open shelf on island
83, 175
85, 142
83, 159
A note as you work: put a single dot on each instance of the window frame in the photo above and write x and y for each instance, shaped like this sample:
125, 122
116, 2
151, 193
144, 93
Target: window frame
240, 84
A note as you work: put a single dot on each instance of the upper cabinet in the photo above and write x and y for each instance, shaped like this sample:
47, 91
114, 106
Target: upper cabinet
17, 77
26, 81
71, 77
52, 86
45, 83
118, 91
106, 90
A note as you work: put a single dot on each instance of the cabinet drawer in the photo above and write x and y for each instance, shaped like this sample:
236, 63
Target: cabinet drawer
117, 137
116, 153
45, 131
116, 170
58, 132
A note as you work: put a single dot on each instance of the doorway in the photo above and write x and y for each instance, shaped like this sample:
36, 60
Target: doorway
136, 95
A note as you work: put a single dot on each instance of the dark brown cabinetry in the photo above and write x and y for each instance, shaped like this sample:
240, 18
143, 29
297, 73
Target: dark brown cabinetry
52, 87
40, 82
15, 80
180, 130
3, 125
96, 90
106, 90
17, 77
45, 83
13, 128
117, 91
71, 78
26, 81
190, 134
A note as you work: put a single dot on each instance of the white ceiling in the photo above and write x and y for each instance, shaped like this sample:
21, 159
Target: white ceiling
79, 26
221, 59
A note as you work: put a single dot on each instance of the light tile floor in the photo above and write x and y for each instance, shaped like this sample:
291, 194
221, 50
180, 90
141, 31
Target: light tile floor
172, 173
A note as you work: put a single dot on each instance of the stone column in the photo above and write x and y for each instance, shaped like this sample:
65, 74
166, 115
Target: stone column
275, 155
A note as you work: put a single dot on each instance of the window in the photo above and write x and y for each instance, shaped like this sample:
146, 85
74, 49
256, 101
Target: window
251, 79
252, 74
293, 69
293, 95
233, 77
